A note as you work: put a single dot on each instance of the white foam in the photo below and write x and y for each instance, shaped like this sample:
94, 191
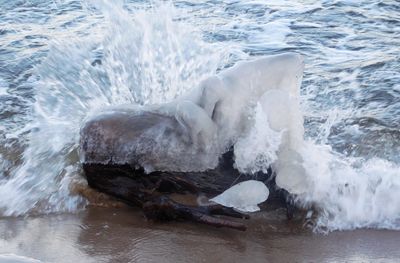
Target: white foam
12, 258
351, 192
257, 149
273, 34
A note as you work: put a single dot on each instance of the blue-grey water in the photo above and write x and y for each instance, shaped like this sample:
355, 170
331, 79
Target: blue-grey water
61, 60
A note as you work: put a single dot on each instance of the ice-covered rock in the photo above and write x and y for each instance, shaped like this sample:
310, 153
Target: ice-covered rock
193, 131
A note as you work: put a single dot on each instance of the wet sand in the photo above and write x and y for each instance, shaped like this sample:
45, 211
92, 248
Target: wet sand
124, 235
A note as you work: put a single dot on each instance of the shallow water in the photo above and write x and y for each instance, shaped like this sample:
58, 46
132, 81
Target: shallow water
60, 61
123, 235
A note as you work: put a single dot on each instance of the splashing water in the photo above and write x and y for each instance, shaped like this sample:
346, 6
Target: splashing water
352, 192
147, 58
119, 53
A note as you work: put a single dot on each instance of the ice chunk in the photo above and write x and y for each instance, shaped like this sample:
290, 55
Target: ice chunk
244, 196
291, 174
284, 115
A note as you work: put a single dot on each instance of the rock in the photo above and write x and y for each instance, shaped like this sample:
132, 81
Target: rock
142, 154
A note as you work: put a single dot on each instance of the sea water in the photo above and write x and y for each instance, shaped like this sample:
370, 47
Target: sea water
61, 61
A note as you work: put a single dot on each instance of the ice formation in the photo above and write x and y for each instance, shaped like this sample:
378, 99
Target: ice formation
191, 132
284, 115
274, 83
244, 196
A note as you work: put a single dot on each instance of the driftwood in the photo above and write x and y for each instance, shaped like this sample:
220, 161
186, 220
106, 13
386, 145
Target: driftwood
151, 191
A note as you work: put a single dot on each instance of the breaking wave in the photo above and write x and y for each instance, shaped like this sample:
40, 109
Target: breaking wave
344, 166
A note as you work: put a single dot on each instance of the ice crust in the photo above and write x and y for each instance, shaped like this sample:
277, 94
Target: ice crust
241, 106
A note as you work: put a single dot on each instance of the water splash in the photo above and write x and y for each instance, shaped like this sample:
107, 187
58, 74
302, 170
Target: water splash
256, 150
351, 192
152, 55
140, 58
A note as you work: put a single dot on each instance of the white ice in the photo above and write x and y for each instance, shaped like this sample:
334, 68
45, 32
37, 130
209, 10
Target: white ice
219, 111
244, 196
253, 106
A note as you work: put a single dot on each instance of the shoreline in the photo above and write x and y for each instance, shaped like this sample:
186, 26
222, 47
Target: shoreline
124, 235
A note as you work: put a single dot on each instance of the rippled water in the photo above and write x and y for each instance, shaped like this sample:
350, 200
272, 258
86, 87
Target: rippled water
122, 235
62, 60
